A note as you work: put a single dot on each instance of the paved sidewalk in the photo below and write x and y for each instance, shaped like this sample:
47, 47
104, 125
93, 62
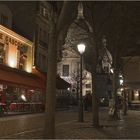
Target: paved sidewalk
127, 128
67, 127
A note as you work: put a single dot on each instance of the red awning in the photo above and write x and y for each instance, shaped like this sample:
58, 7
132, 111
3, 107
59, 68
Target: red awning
23, 79
14, 77
60, 83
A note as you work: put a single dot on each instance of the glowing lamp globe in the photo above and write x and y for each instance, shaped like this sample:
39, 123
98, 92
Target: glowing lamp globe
81, 48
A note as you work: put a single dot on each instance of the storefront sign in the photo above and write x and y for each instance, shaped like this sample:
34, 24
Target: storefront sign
8, 39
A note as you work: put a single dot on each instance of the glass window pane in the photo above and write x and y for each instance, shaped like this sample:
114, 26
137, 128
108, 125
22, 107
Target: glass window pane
65, 70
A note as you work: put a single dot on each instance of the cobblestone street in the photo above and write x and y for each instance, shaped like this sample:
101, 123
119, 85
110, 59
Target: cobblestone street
126, 128
67, 127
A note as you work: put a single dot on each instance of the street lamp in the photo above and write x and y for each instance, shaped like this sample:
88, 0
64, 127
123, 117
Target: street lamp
81, 48
111, 70
121, 81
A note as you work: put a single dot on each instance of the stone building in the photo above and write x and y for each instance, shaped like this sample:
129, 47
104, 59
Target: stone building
21, 89
31, 19
5, 16
68, 69
131, 73
16, 63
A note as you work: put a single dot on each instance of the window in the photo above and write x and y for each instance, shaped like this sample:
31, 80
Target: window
2, 53
22, 57
43, 57
136, 95
43, 38
42, 62
88, 85
39, 60
22, 60
17, 100
44, 11
65, 70
4, 20
44, 35
88, 91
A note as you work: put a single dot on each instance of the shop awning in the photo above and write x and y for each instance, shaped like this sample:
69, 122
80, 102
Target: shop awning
23, 79
61, 84
133, 85
14, 77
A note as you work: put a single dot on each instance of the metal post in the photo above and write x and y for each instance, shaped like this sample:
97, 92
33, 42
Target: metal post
81, 96
78, 80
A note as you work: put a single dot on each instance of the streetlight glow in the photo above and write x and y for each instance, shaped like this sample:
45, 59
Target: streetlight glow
111, 70
23, 97
121, 81
81, 48
120, 75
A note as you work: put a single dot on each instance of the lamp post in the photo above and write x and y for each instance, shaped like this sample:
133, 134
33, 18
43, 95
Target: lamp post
81, 48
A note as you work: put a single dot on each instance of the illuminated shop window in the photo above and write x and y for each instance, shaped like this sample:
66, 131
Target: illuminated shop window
136, 96
16, 100
12, 55
22, 57
15, 51
2, 53
22, 61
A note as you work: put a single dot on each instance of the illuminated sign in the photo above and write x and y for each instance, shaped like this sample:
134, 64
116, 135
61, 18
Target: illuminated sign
16, 46
7, 39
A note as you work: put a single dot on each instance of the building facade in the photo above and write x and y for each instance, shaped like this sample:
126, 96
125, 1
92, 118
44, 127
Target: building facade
18, 85
5, 16
131, 73
21, 88
42, 34
31, 20
68, 69
23, 61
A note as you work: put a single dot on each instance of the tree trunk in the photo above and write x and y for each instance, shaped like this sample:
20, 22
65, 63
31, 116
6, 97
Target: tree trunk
115, 84
115, 87
95, 104
56, 38
49, 130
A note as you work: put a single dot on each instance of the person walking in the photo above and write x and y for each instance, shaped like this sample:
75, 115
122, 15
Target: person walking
120, 106
88, 102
